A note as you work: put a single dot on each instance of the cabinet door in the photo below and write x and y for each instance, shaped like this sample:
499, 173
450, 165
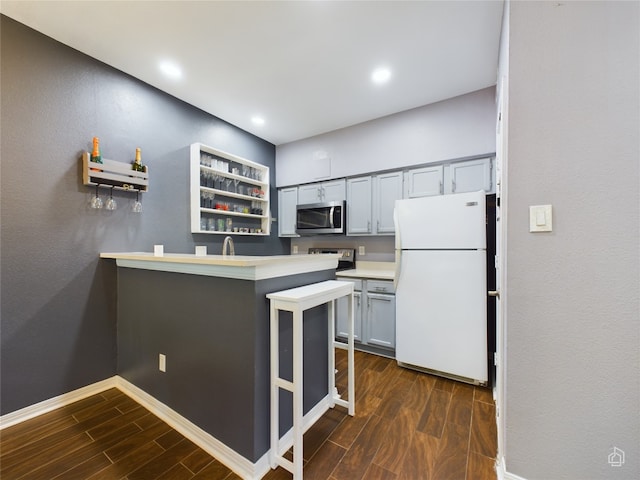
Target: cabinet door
470, 176
334, 191
381, 320
359, 206
342, 327
424, 182
287, 201
309, 193
387, 189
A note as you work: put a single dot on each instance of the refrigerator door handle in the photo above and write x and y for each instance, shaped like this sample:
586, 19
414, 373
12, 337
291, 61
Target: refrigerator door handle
396, 275
397, 228
398, 245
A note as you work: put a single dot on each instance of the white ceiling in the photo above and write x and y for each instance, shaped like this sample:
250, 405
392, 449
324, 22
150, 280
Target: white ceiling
303, 66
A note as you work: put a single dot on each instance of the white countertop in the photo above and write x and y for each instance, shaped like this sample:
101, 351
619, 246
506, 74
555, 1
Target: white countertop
244, 267
373, 270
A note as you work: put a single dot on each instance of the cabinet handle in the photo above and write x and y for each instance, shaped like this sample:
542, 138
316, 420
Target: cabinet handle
369, 226
377, 225
441, 188
453, 186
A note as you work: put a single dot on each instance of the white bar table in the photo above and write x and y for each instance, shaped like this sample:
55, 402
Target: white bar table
297, 300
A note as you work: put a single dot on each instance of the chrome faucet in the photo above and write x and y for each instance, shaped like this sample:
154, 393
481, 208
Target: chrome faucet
228, 245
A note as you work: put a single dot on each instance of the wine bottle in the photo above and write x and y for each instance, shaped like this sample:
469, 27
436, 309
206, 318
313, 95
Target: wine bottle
137, 163
95, 153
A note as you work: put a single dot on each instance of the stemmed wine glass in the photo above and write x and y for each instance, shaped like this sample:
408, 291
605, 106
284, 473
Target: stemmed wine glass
111, 203
236, 181
228, 181
96, 202
137, 206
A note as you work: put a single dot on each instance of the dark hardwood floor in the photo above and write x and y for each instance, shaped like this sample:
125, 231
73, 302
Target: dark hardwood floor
408, 426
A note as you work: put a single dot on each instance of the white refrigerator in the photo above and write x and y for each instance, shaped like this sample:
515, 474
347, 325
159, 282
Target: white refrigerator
441, 285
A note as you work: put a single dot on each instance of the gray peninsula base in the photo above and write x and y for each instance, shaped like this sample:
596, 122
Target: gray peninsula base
214, 333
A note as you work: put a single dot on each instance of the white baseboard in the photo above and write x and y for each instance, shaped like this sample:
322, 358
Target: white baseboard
211, 445
503, 474
45, 406
214, 447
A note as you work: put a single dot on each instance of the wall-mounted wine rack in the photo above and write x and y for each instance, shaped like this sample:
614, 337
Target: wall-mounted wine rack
113, 174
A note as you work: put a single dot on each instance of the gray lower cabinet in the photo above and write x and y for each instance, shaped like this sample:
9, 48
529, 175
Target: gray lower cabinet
381, 320
342, 327
374, 316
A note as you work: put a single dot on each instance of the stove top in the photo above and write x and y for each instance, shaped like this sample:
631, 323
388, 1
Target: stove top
347, 260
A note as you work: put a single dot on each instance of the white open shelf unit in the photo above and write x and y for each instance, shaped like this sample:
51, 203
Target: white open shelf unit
240, 204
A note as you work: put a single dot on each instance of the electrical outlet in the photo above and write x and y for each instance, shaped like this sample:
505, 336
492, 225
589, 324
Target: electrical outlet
361, 250
162, 362
294, 249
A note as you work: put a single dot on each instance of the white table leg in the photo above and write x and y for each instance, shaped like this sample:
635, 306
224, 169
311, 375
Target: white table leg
350, 358
275, 373
332, 355
298, 428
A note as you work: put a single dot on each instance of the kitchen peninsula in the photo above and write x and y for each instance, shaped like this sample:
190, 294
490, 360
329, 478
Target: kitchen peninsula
209, 316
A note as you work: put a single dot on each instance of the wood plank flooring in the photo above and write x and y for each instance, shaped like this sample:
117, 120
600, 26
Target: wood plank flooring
408, 426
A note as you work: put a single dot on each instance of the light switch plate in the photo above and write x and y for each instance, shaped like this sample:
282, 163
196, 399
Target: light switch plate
162, 362
540, 218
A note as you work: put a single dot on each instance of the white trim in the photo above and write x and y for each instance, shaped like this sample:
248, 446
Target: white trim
45, 406
254, 272
311, 417
204, 440
214, 447
502, 472
240, 267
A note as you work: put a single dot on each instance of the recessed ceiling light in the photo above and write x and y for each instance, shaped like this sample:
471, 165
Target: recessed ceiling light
381, 75
257, 120
170, 69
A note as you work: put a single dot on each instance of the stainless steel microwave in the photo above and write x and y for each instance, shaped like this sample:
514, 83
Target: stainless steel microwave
320, 218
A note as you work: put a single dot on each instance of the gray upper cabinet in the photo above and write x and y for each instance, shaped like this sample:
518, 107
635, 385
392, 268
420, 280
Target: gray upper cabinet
424, 182
287, 201
469, 176
370, 203
387, 188
333, 191
359, 211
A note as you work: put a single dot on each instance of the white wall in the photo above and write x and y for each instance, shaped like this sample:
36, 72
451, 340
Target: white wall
573, 343
456, 128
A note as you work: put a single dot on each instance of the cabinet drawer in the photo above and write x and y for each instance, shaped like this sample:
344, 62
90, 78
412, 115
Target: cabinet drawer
380, 286
357, 284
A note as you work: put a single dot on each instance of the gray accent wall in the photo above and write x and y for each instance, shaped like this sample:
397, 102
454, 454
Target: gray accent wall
573, 309
58, 302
